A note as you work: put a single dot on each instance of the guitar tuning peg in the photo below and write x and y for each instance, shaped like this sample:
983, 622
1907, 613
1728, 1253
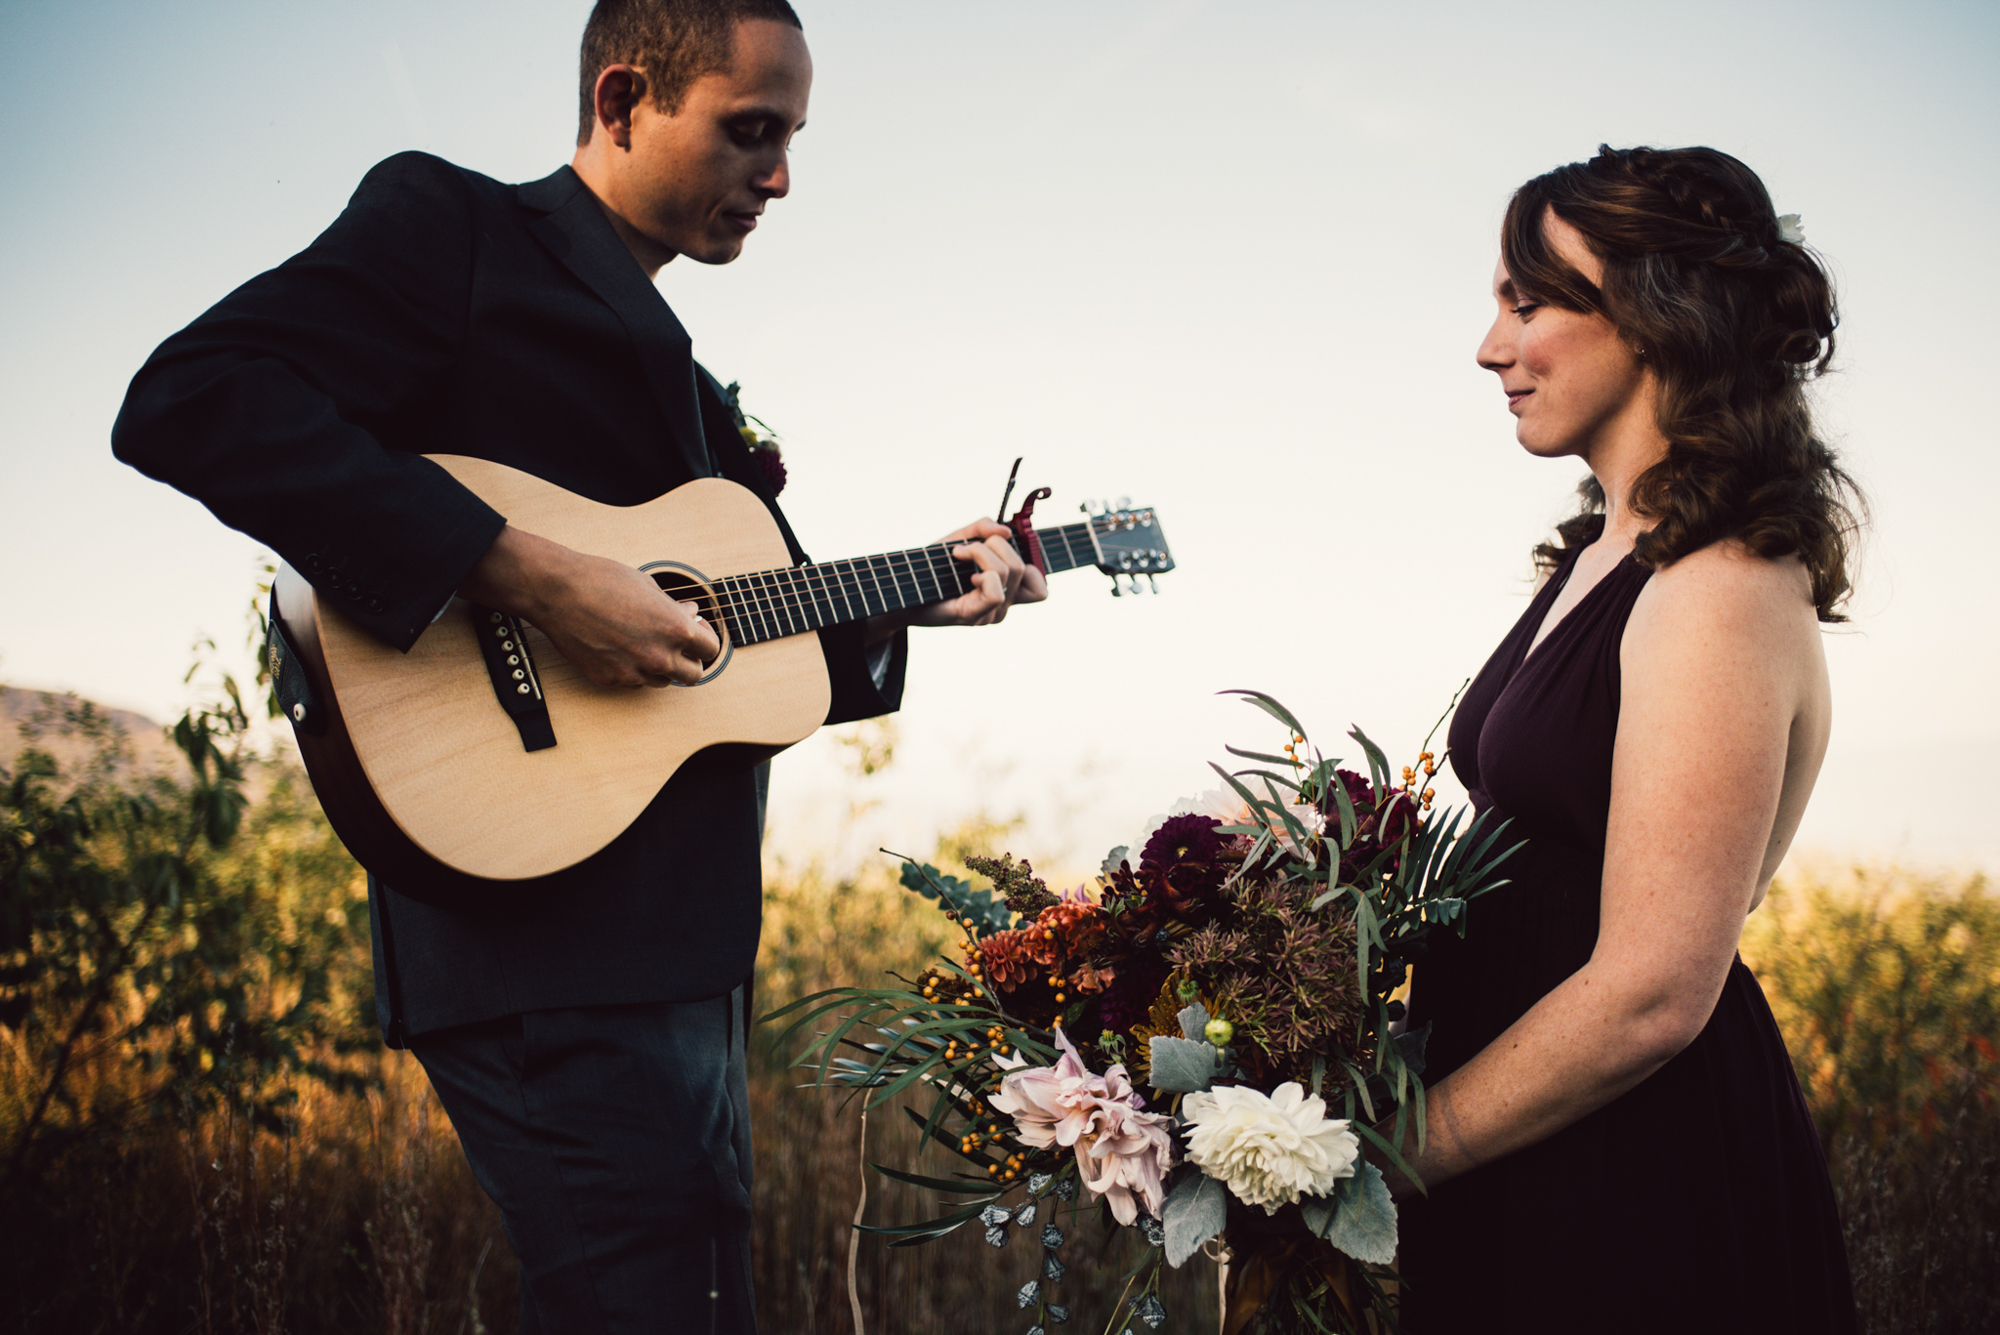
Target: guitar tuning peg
1116, 592
1124, 502
1153, 584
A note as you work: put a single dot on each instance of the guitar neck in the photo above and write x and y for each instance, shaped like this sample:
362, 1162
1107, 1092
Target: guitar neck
771, 604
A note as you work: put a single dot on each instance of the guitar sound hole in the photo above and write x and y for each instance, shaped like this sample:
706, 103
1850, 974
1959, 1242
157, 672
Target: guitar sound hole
684, 589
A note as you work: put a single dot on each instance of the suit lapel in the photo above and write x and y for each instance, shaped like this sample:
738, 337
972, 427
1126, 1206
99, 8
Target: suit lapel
573, 227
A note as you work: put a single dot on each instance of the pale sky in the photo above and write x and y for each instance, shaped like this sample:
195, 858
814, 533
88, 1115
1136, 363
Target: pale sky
1230, 260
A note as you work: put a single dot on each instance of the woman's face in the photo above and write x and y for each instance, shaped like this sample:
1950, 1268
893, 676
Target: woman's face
1572, 382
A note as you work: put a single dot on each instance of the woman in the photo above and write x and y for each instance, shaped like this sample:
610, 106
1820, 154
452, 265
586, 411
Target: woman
1617, 1142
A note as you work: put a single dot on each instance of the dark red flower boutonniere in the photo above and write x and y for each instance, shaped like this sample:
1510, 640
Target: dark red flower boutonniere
761, 440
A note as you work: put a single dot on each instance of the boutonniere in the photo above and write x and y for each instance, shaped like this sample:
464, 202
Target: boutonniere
761, 440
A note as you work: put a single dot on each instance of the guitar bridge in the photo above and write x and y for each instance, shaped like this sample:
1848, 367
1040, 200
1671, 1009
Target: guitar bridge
515, 683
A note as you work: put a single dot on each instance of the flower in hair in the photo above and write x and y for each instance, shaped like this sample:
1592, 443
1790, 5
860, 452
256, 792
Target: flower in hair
1789, 229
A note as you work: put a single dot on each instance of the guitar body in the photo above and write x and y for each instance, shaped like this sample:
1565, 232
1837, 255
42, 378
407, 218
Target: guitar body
424, 775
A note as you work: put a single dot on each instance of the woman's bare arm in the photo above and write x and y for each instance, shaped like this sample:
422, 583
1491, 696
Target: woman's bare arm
1722, 724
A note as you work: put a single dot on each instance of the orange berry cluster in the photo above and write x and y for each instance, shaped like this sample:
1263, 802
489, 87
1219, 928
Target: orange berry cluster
1427, 761
973, 1139
944, 988
970, 1046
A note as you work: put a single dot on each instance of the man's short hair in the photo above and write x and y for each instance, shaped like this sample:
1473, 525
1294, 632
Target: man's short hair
674, 41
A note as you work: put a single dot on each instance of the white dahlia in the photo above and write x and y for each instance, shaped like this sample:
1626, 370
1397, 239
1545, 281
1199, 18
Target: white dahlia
1269, 1149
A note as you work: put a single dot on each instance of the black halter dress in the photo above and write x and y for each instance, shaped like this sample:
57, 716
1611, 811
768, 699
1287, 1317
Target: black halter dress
1697, 1201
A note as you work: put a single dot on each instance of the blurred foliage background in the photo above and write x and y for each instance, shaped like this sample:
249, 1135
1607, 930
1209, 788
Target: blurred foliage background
199, 1130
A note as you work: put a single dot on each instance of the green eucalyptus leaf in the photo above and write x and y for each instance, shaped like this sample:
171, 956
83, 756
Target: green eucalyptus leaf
958, 1186
1250, 799
1271, 707
982, 910
1349, 822
1378, 764
1258, 755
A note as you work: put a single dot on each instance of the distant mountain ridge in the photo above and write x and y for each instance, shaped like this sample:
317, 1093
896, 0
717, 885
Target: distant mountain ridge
147, 746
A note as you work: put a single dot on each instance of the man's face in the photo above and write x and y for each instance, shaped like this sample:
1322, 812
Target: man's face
695, 182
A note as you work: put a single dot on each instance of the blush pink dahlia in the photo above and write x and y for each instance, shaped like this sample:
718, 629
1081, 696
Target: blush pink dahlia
1123, 1154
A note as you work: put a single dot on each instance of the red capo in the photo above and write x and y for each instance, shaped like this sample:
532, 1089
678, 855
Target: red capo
1023, 522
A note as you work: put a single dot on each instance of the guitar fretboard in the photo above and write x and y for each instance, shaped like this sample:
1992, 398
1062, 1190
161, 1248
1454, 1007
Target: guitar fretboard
771, 604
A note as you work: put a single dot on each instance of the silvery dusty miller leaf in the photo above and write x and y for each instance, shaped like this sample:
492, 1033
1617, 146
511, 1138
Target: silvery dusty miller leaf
996, 1236
1194, 1213
1029, 1291
1364, 1222
1180, 1065
994, 1215
1194, 1021
1026, 1214
1317, 1212
1051, 1236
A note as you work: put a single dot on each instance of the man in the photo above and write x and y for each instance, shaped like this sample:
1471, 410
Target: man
585, 1031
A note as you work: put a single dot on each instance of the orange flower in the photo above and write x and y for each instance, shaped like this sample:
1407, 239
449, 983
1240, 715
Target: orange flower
1079, 926
1014, 956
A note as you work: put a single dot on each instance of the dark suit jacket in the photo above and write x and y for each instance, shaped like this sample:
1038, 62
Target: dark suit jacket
446, 313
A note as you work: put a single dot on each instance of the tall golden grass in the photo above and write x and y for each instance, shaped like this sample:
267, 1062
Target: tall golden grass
152, 1206
1886, 984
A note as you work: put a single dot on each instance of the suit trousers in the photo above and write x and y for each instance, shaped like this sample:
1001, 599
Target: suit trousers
616, 1141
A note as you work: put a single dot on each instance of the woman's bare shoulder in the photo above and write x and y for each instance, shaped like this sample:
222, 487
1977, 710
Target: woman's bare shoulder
1725, 580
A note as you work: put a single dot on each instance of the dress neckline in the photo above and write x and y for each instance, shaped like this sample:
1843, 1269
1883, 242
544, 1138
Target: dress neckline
1540, 639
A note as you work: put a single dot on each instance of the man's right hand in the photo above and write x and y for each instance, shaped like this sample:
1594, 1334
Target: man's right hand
609, 619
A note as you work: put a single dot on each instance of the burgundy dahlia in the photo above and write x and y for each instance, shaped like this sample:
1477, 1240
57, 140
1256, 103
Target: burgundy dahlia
1187, 838
1129, 999
772, 466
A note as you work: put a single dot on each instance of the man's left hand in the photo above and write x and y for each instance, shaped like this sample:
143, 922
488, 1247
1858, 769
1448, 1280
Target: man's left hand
1002, 579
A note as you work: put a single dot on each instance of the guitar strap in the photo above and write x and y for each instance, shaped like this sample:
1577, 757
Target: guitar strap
288, 677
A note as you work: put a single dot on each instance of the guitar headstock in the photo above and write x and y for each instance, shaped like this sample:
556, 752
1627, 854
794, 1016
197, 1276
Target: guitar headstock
1129, 542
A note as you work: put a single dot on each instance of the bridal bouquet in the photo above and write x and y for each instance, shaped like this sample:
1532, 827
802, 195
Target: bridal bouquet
1199, 1043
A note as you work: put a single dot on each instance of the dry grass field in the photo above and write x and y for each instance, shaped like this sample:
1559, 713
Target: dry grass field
200, 1134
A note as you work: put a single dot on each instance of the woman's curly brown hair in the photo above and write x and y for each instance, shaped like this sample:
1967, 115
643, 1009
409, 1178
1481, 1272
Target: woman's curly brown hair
1734, 321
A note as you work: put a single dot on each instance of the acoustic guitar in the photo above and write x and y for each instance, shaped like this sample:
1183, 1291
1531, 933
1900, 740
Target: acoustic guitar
482, 756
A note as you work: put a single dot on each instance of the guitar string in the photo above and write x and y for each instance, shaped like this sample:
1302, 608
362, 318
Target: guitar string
790, 600
786, 597
798, 596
